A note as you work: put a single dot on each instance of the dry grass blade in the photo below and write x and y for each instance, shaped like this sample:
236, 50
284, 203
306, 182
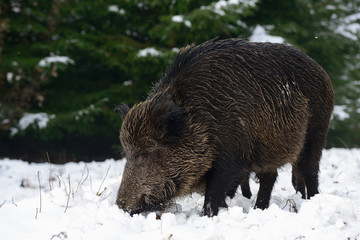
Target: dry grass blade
2, 203
50, 181
98, 192
58, 177
81, 182
68, 194
105, 196
38, 174
12, 200
61, 235
292, 205
48, 158
300, 237
356, 237
37, 211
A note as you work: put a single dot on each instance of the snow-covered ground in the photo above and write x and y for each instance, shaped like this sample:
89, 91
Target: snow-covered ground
77, 202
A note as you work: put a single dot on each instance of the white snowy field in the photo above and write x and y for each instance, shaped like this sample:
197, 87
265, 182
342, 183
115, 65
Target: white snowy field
86, 209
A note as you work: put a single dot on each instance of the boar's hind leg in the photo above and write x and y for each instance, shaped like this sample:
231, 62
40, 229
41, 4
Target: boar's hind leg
305, 171
298, 180
267, 181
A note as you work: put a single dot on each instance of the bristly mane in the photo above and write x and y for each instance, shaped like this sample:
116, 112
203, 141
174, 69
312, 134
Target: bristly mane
185, 58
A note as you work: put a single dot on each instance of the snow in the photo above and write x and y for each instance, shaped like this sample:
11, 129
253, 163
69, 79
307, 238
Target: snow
339, 112
349, 26
41, 119
150, 51
9, 76
180, 19
260, 35
5, 121
114, 8
177, 18
175, 50
349, 30
220, 5
346, 25
128, 83
46, 62
88, 211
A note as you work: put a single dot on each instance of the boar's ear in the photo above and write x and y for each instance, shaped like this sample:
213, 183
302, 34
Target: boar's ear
122, 109
173, 123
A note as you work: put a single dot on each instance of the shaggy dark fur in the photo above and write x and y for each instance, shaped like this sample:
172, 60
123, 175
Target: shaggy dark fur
224, 109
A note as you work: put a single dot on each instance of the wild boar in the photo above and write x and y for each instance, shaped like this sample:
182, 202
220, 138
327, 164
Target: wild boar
223, 109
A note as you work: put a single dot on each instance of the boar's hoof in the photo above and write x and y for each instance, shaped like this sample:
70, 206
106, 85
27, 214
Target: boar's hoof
260, 204
208, 211
211, 209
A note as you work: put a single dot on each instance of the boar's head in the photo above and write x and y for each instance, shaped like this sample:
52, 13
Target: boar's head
151, 134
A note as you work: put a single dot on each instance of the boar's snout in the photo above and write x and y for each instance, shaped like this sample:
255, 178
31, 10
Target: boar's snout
121, 203
131, 208
138, 204
141, 196
128, 200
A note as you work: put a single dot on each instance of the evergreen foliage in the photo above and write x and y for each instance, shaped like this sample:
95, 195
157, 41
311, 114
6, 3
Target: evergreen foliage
75, 60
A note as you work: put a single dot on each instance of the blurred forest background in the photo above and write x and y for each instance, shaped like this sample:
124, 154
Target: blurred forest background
65, 64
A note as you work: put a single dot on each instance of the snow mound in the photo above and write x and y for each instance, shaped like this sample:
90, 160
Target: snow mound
150, 51
180, 19
260, 35
46, 62
78, 202
40, 119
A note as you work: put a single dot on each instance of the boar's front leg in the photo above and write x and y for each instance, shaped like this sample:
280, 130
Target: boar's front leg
214, 194
220, 182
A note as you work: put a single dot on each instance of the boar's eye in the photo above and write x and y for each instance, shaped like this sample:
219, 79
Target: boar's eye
143, 158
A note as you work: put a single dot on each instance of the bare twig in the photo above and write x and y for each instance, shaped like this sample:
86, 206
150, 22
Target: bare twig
50, 180
292, 205
38, 174
300, 237
61, 235
37, 211
67, 203
357, 236
58, 177
12, 200
176, 206
106, 196
2, 203
48, 158
98, 192
170, 236
81, 182
87, 174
